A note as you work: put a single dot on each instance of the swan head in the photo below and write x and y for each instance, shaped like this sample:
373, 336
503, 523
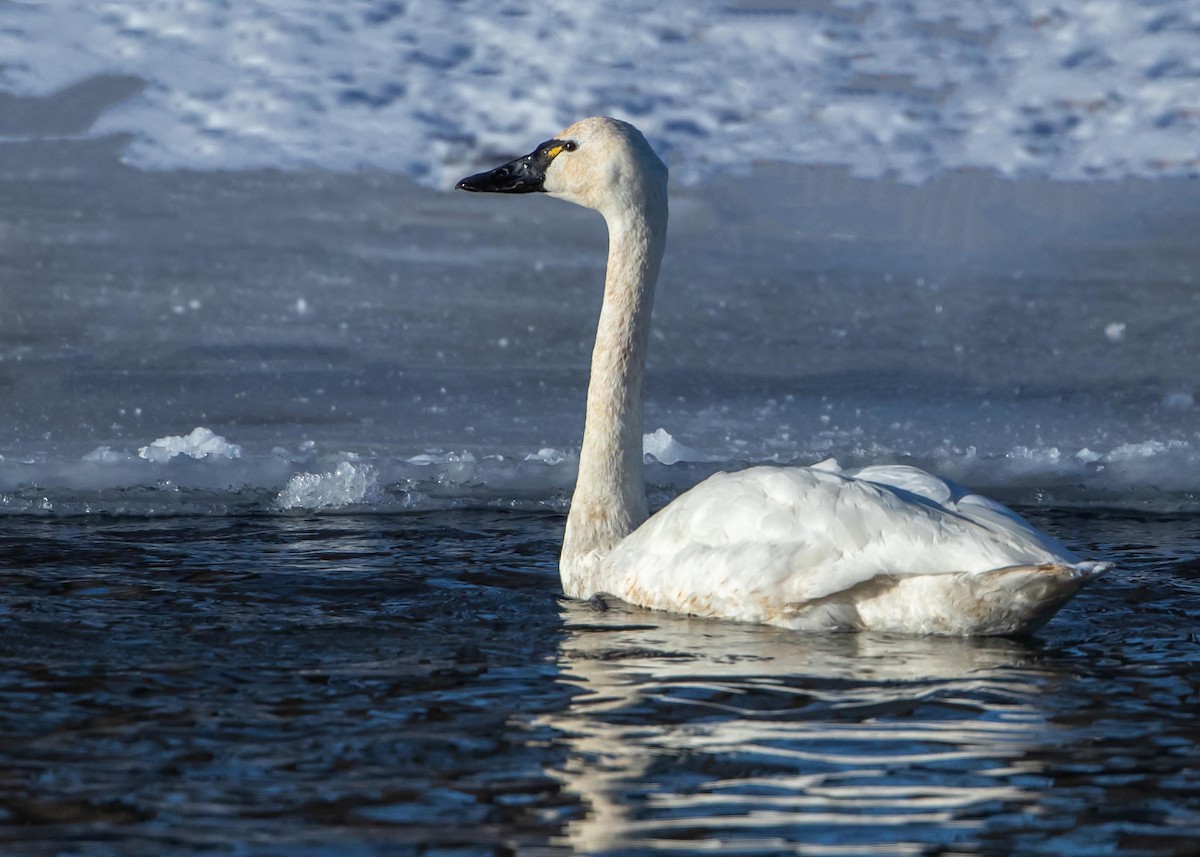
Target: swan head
599, 163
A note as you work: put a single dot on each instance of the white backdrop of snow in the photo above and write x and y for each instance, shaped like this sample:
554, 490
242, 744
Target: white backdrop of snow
1098, 88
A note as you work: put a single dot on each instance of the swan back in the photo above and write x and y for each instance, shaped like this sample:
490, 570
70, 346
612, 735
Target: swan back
817, 547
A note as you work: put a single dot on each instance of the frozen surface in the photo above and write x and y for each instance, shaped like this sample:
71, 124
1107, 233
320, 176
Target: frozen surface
363, 341
1102, 88
662, 447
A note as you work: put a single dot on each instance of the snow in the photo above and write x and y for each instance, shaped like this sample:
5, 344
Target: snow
1106, 88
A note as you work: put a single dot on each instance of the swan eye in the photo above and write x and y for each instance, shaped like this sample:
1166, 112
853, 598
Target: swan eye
553, 148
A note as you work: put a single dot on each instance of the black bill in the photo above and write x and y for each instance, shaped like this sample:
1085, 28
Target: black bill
524, 175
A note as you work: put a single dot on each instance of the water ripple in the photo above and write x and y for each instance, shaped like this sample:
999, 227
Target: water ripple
377, 685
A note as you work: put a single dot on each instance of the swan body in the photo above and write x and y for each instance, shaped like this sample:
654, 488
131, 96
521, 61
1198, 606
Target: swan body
887, 548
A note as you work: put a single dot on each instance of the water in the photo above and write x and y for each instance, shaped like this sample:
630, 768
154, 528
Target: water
386, 684
289, 433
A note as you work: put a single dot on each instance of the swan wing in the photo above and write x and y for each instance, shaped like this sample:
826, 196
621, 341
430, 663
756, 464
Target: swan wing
769, 540
954, 497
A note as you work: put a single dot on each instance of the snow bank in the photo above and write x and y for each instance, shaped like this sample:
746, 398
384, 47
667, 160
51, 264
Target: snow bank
1105, 88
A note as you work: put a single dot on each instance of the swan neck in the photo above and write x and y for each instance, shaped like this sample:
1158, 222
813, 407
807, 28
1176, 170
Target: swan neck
609, 500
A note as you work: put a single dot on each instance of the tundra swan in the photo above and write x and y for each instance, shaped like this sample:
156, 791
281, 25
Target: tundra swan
888, 548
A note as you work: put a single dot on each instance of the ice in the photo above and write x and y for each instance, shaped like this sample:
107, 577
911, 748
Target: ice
200, 443
796, 321
427, 458
348, 484
547, 455
667, 449
106, 455
1145, 450
1105, 88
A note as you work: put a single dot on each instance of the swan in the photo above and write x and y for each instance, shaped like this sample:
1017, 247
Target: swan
882, 548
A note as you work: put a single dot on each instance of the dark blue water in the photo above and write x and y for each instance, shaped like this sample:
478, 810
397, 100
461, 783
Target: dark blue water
407, 684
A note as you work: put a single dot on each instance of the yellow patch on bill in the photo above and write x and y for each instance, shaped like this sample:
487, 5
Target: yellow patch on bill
553, 153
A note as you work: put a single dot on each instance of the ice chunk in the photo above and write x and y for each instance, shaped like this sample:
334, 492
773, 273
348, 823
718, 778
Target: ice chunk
349, 484
1145, 449
548, 455
666, 449
201, 443
105, 455
442, 458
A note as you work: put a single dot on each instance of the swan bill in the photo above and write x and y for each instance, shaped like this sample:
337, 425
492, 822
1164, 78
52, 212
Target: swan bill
523, 175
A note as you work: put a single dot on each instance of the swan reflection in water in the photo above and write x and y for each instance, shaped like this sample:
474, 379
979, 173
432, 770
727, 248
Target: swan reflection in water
691, 732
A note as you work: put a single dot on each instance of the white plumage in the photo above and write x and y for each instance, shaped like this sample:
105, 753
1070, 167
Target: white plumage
821, 549
883, 548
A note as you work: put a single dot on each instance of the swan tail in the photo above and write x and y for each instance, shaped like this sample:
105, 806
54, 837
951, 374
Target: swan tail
1021, 599
1008, 601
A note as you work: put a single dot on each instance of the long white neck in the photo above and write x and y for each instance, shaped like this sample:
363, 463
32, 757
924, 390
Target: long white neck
609, 501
